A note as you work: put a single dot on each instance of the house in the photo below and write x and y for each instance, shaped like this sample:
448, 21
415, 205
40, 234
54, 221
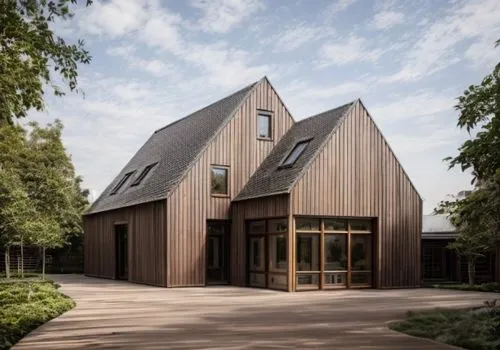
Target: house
240, 193
440, 264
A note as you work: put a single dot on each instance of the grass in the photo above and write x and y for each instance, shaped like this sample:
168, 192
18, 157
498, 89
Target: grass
26, 305
477, 328
486, 287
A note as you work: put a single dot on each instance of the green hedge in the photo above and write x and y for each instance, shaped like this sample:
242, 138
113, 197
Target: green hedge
477, 329
486, 287
26, 305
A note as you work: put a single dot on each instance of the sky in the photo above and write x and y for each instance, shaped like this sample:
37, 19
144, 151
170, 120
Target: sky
154, 62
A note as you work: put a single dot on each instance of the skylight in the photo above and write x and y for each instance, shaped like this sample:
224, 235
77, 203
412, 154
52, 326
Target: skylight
143, 174
294, 154
121, 183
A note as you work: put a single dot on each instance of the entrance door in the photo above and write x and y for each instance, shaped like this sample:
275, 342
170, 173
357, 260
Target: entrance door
218, 252
121, 248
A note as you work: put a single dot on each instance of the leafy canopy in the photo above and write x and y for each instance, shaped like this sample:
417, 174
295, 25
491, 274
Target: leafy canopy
30, 53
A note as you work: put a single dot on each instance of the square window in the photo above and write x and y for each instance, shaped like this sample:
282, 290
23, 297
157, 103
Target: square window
219, 184
264, 126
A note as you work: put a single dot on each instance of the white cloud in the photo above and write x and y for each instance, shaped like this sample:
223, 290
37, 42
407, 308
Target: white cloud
437, 48
421, 104
339, 6
220, 16
294, 36
355, 49
113, 18
387, 19
411, 143
121, 50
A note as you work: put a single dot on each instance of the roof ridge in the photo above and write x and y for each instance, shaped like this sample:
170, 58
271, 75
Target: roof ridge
208, 106
328, 111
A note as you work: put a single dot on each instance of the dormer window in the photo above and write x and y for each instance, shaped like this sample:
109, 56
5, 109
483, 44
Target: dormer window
264, 125
144, 173
121, 183
294, 154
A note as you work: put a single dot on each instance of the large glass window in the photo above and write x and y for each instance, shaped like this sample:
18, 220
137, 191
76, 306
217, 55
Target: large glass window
333, 253
257, 259
277, 253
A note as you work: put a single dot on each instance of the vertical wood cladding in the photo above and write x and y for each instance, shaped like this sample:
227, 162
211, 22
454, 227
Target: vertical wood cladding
146, 243
267, 207
190, 205
357, 174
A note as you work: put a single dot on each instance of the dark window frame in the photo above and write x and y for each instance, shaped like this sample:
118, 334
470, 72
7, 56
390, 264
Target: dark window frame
228, 190
269, 115
288, 161
122, 182
143, 174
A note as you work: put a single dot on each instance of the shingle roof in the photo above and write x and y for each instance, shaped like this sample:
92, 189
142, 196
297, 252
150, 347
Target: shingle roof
269, 178
174, 147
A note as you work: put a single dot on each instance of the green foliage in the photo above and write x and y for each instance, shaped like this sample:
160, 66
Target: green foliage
30, 53
26, 305
485, 287
476, 329
477, 217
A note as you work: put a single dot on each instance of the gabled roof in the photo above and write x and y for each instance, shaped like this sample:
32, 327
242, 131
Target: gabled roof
270, 178
175, 148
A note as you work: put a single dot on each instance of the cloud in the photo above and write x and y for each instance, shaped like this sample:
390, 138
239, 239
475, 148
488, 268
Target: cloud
295, 36
220, 16
387, 19
437, 49
411, 143
339, 6
420, 104
121, 50
355, 49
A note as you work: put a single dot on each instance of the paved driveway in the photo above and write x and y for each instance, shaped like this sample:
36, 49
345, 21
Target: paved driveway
115, 315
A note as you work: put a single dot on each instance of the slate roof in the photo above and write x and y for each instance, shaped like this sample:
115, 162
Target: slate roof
175, 148
269, 178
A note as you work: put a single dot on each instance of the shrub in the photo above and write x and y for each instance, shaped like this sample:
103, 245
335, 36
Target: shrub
485, 287
26, 305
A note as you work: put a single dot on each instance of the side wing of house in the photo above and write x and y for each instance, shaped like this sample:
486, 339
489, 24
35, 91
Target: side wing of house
356, 174
143, 228
191, 205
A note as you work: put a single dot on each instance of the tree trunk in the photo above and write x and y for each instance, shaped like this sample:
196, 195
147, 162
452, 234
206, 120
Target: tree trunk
22, 259
471, 267
7, 262
43, 263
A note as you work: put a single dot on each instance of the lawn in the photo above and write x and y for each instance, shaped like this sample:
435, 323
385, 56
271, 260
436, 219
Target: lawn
26, 305
477, 328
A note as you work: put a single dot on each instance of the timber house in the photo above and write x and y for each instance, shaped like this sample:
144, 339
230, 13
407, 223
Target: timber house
239, 193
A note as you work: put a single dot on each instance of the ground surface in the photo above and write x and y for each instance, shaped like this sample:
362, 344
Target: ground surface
116, 315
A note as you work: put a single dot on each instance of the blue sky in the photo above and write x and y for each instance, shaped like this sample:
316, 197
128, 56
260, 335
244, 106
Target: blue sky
157, 61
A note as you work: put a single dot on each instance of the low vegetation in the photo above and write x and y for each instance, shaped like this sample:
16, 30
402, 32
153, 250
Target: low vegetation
486, 287
477, 328
26, 305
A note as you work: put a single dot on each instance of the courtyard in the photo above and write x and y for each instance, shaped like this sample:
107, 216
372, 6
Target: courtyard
115, 315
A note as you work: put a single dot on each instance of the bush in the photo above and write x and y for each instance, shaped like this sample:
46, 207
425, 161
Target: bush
486, 287
477, 328
26, 305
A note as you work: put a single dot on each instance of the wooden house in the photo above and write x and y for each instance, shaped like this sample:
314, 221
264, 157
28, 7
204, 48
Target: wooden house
239, 193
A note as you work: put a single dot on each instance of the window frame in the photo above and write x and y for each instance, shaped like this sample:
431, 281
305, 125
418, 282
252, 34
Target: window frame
121, 183
269, 115
226, 168
144, 173
284, 164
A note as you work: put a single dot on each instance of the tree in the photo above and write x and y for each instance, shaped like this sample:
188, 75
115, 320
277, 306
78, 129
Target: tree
477, 217
30, 54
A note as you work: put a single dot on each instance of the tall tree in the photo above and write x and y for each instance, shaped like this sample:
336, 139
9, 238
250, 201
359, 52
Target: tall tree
30, 54
477, 217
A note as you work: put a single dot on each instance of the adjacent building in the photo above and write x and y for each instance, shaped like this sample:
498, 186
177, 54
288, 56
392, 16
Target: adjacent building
239, 193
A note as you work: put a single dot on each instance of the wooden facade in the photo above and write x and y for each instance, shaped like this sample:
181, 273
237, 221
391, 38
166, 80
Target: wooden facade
353, 175
147, 243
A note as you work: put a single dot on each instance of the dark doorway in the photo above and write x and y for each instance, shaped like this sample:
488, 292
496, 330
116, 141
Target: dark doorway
121, 248
218, 252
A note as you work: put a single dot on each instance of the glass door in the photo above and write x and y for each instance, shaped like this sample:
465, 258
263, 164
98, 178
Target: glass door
217, 253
